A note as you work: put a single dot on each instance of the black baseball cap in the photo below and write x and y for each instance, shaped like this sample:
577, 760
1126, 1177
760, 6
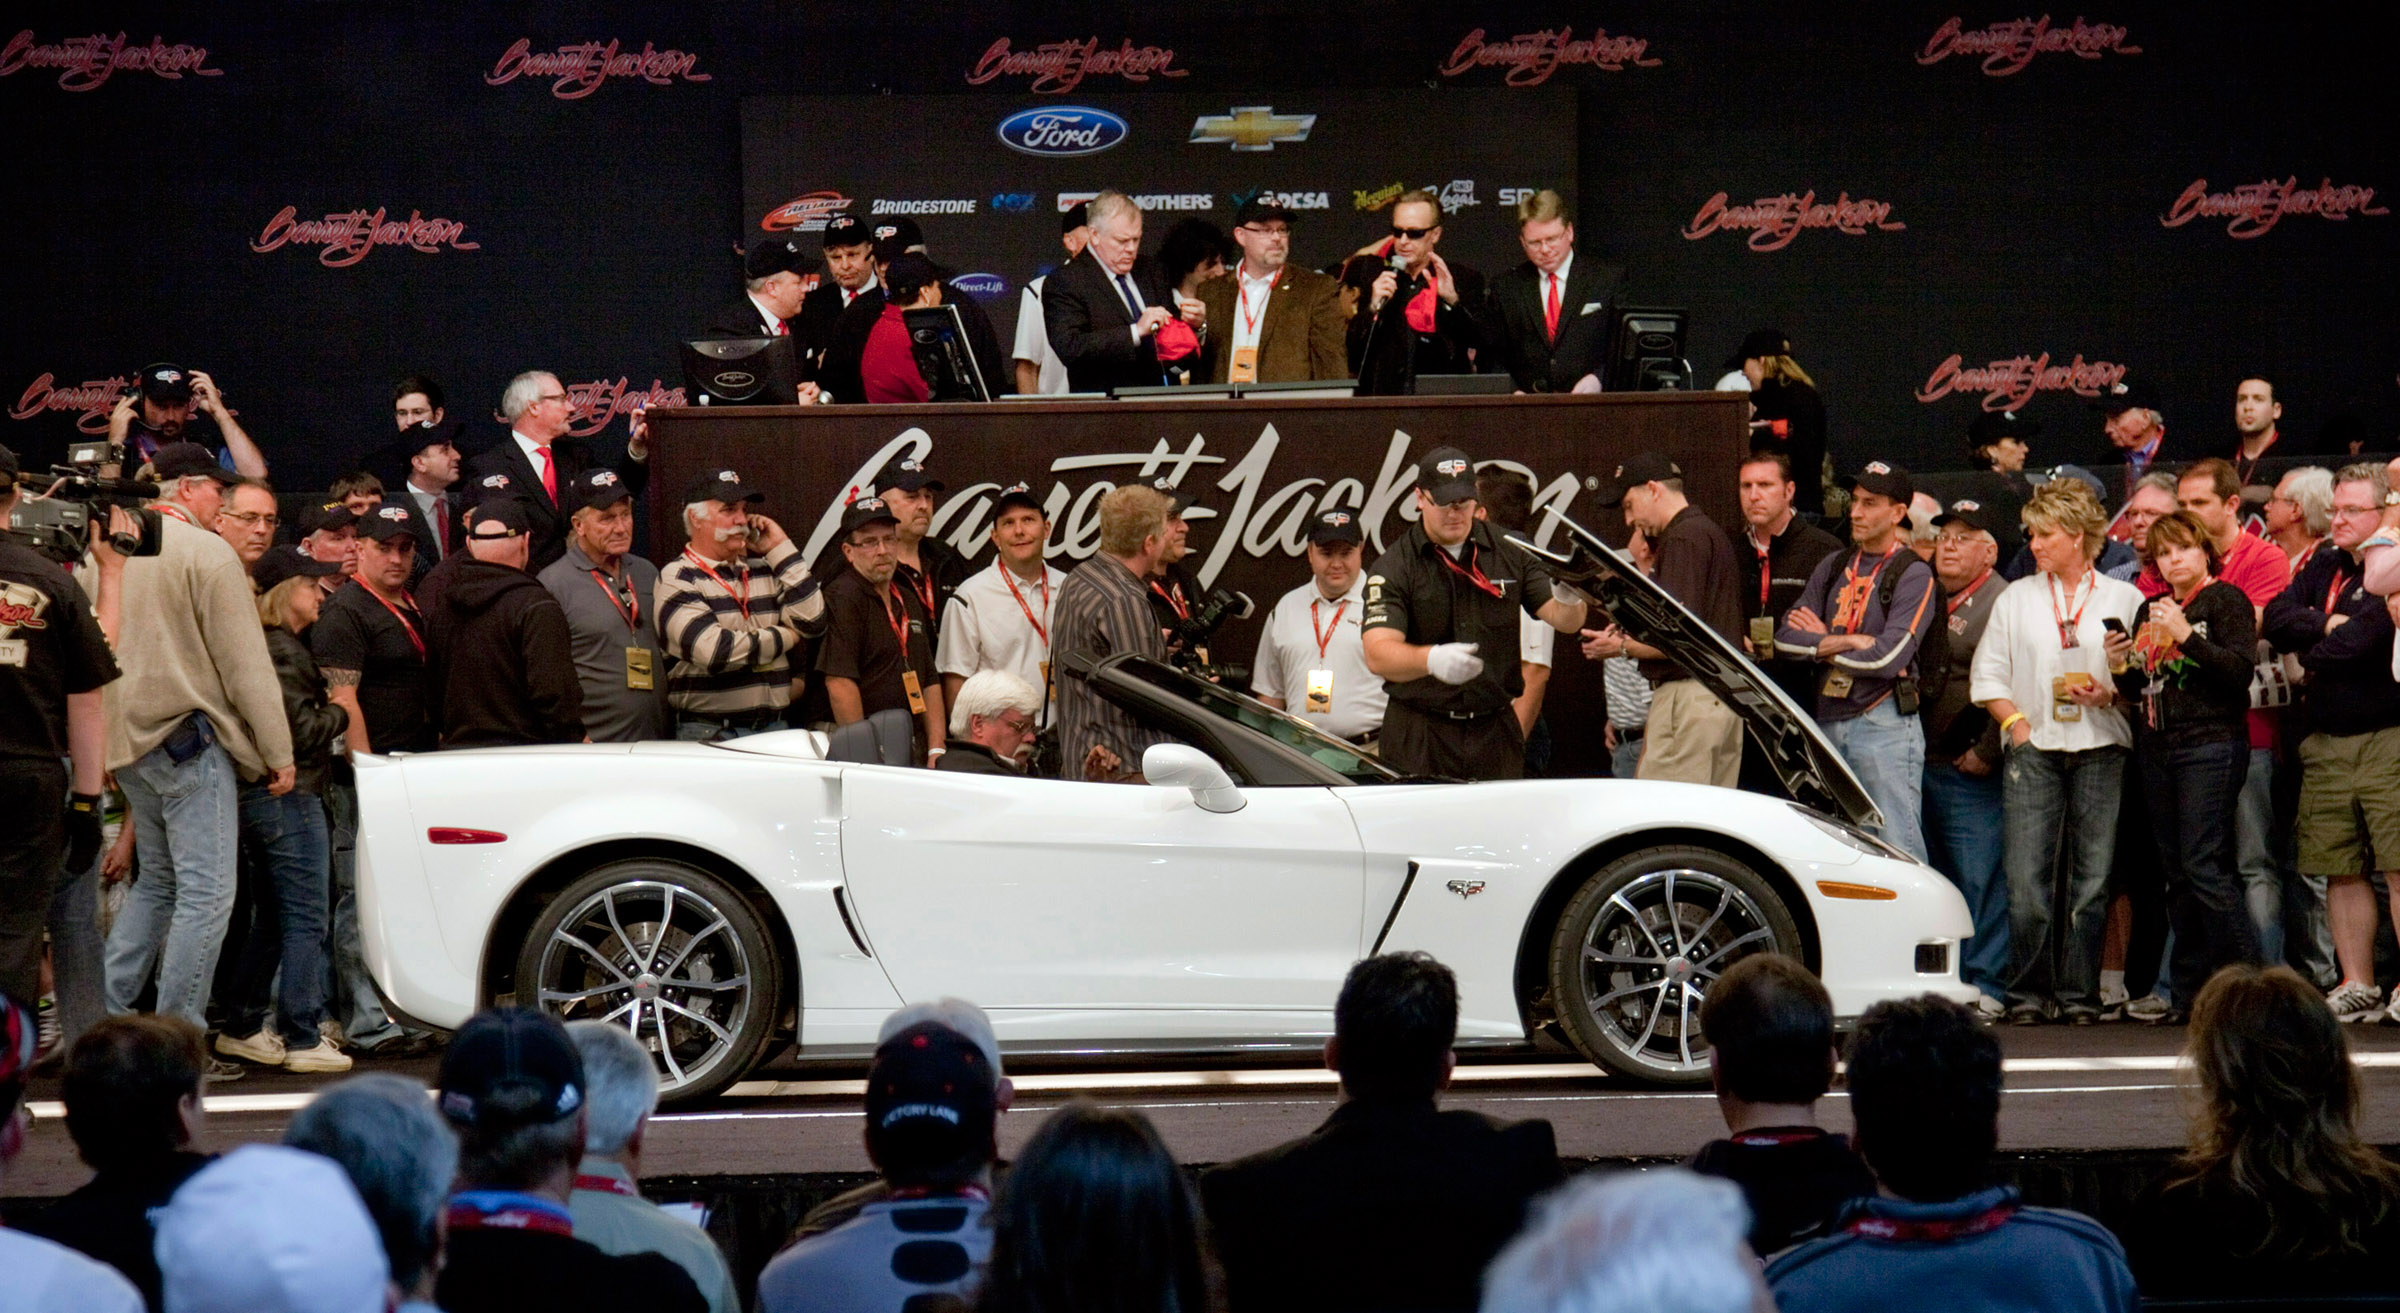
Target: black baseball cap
1181, 500
932, 1099
168, 385
1078, 215
597, 489
847, 230
1018, 494
386, 522
489, 486
509, 515
908, 475
1258, 211
865, 511
1969, 512
1638, 469
325, 517
720, 485
769, 256
900, 232
425, 433
1764, 342
510, 1067
182, 460
1338, 524
1446, 475
1993, 425
2122, 396
286, 561
1884, 480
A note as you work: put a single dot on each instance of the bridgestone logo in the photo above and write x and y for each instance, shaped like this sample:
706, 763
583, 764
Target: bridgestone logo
924, 207
1178, 201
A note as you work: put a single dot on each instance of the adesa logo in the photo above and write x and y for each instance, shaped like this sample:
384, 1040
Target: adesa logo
1012, 202
1061, 130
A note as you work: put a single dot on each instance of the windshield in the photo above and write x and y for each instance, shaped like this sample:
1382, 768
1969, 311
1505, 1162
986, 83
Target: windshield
1346, 759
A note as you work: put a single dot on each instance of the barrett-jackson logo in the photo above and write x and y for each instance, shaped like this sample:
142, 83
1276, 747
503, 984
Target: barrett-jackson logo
84, 62
2008, 47
90, 400
2009, 384
2252, 210
1773, 221
1531, 57
1061, 66
807, 212
578, 70
347, 236
598, 403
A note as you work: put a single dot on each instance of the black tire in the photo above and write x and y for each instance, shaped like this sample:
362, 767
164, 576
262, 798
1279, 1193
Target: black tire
1633, 954
671, 952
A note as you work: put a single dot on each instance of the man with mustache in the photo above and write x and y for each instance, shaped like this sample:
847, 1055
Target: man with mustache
732, 611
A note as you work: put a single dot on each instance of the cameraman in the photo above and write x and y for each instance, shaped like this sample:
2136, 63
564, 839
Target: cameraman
53, 662
157, 411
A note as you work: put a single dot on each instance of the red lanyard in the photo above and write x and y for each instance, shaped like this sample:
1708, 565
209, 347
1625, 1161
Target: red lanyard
541, 1215
741, 598
1765, 576
1898, 1228
2068, 625
607, 1185
1325, 635
898, 616
413, 638
1771, 1139
2307, 554
1853, 606
630, 609
1183, 609
924, 587
967, 1191
1250, 321
2333, 593
1472, 572
170, 508
1959, 599
1009, 577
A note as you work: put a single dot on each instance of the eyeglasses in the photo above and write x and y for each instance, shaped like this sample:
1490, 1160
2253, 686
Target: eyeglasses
1017, 722
2358, 510
254, 519
554, 396
1412, 234
1544, 243
1262, 230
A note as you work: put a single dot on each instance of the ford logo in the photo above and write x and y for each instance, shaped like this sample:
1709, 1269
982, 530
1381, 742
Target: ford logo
980, 284
734, 378
1062, 130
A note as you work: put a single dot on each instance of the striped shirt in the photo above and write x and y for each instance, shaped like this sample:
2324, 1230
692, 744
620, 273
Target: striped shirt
729, 629
1103, 610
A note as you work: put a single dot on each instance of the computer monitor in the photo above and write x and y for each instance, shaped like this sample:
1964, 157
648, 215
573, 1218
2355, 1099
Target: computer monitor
938, 338
1645, 350
742, 371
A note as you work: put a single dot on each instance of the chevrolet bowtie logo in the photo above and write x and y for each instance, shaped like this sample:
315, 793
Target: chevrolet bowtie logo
1251, 127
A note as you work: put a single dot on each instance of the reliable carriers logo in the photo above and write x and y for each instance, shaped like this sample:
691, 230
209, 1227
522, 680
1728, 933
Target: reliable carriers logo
806, 212
1061, 66
2007, 47
347, 236
1531, 58
1774, 221
85, 63
1062, 130
2253, 210
2009, 384
577, 70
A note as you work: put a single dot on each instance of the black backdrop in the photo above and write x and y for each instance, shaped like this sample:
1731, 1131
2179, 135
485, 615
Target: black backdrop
2032, 196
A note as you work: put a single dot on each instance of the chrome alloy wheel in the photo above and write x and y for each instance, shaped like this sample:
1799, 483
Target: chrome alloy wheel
1652, 951
664, 962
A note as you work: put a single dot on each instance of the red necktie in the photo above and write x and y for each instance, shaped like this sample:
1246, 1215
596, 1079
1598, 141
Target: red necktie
782, 329
441, 525
1550, 308
549, 475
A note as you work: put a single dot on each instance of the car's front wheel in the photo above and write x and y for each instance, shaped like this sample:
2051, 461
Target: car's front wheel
668, 951
1639, 945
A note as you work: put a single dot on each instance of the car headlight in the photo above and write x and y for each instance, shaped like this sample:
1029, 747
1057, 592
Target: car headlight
1851, 836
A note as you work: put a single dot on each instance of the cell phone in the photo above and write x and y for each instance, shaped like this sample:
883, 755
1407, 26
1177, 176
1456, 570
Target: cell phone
2113, 625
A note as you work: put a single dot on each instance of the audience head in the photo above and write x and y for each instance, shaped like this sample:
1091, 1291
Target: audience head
2255, 408
602, 519
2357, 504
417, 399
1095, 1215
849, 251
1923, 510
1766, 355
1116, 232
248, 520
716, 514
998, 710
911, 282
1767, 489
2302, 504
1263, 231
1133, 525
501, 534
270, 1229
1075, 228
1392, 1028
2134, 421
2182, 550
433, 457
1880, 494
2153, 496
1924, 1084
907, 489
1665, 1241
775, 271
535, 404
1650, 487
2000, 441
1769, 1025
1504, 497
132, 1089
189, 476
932, 1108
2212, 492
384, 1134
871, 539
512, 1084
1963, 546
2064, 525
166, 399
329, 532
358, 490
620, 1087
1546, 229
1020, 530
1336, 550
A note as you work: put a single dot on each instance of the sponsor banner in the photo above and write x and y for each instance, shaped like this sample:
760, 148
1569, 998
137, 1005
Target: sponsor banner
806, 213
1068, 200
982, 286
1379, 198
577, 70
85, 63
2009, 384
89, 401
1061, 66
1012, 202
1251, 128
1178, 202
2254, 210
2007, 47
348, 236
1457, 195
1062, 130
1290, 200
600, 402
923, 207
1530, 58
1773, 221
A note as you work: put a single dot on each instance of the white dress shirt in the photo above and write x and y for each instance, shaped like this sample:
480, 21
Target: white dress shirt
1250, 306
1288, 653
1033, 341
425, 500
2022, 652
984, 628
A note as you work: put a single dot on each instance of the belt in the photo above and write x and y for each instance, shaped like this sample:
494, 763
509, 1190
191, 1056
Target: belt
1631, 734
747, 720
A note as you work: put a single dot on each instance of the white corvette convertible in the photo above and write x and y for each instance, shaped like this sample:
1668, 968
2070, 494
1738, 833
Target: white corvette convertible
726, 900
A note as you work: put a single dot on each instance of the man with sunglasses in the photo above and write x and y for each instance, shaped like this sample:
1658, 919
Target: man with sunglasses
541, 468
1277, 322
1423, 314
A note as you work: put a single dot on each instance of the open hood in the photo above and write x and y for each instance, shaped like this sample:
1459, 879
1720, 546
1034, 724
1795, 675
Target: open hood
1803, 758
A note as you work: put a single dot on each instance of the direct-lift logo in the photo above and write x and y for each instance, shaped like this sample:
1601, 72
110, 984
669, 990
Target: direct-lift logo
85, 62
1061, 66
2008, 46
348, 235
577, 70
2009, 384
806, 212
1532, 57
2254, 210
1773, 221
1062, 130
983, 285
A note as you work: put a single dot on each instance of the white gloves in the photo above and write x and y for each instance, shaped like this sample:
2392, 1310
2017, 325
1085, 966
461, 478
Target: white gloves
1453, 663
1567, 594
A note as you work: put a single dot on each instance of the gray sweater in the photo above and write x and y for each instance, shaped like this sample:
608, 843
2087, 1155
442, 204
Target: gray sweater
190, 641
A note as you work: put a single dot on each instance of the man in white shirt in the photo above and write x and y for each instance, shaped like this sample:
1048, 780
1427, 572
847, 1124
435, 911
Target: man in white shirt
999, 619
1039, 370
1311, 661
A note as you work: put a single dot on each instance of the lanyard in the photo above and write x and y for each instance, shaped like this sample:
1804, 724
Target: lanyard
170, 508
1008, 576
2307, 554
1950, 605
2333, 592
1183, 609
923, 585
1472, 572
1853, 607
1898, 1228
413, 639
1250, 321
912, 1192
478, 1210
630, 610
897, 615
607, 1185
1325, 635
2068, 625
1771, 1139
740, 598
1766, 577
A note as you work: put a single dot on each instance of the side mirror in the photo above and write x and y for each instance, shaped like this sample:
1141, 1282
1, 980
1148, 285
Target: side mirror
1178, 766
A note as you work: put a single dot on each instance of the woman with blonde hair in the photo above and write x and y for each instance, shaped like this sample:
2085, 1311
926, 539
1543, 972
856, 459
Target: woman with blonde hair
1787, 415
2276, 1196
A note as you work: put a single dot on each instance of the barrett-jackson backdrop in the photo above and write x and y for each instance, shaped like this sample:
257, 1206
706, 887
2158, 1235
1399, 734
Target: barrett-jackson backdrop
1948, 206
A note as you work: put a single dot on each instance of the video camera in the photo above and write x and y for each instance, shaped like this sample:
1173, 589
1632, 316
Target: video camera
1190, 639
56, 518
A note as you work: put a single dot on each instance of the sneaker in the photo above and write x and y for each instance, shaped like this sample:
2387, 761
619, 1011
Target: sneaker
264, 1048
2112, 989
1992, 1009
2028, 1014
2355, 1001
2149, 1009
330, 1031
2082, 1016
320, 1056
218, 1073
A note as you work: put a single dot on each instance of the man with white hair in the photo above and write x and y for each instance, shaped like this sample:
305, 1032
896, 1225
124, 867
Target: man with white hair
733, 610
1109, 312
400, 1156
621, 1091
1665, 1241
540, 466
991, 725
2300, 514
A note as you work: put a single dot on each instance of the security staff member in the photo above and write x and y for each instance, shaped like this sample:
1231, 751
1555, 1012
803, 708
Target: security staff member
1446, 593
1312, 659
53, 662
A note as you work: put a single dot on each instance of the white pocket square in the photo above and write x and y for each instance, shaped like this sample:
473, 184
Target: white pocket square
1589, 307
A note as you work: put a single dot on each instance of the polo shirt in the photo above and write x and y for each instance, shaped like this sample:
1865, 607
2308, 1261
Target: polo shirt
1694, 564
355, 631
888, 369
895, 1254
861, 645
603, 622
988, 627
1432, 597
1306, 633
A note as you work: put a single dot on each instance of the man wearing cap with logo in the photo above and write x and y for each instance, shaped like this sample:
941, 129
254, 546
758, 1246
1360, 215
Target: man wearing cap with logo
512, 1085
930, 569
849, 272
1962, 747
1277, 322
2136, 430
1174, 589
1039, 370
1441, 630
1861, 619
329, 533
540, 466
157, 411
502, 663
1690, 736
429, 490
612, 619
878, 650
775, 274
733, 608
1312, 659
1000, 618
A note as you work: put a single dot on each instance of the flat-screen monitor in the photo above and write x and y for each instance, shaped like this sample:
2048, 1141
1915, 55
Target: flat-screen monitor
1464, 385
1645, 350
742, 371
1300, 389
938, 338
1178, 392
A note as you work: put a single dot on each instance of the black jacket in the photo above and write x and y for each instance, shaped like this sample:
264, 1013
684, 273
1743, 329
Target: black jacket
499, 1270
1387, 1206
1522, 331
1090, 328
1792, 557
317, 724
820, 310
2350, 689
1801, 412
2204, 695
503, 662
572, 457
1794, 1181
109, 1217
974, 759
1387, 355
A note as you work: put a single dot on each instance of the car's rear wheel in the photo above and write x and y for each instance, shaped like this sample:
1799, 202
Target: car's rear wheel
671, 953
1639, 945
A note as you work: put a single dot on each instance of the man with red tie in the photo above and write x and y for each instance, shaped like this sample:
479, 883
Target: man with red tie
1553, 309
541, 461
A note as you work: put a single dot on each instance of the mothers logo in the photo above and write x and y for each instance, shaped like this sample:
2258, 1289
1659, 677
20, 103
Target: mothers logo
2251, 211
1773, 221
1531, 57
578, 70
2007, 47
348, 236
1060, 66
1061, 130
2009, 384
84, 62
807, 212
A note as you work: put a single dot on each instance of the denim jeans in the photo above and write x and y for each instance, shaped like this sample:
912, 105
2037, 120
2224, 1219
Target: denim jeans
186, 828
2191, 791
1886, 750
288, 927
2059, 822
350, 992
1626, 759
76, 963
2256, 863
702, 730
1963, 833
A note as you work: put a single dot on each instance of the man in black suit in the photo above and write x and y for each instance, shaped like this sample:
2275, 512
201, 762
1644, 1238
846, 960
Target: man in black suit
775, 273
1552, 310
1392, 1203
1105, 308
837, 371
2137, 433
1424, 315
849, 274
540, 460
